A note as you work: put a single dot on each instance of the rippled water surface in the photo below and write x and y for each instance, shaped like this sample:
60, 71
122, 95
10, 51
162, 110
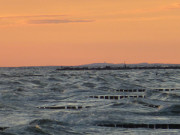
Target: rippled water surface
43, 101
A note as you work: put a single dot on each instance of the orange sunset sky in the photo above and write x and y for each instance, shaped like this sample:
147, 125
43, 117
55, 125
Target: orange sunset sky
74, 32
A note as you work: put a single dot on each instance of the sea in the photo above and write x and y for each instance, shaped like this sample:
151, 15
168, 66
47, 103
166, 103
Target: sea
46, 101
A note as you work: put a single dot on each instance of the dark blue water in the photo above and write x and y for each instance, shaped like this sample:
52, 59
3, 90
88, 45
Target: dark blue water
43, 101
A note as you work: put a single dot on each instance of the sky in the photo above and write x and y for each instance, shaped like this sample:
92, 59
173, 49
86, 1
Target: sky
75, 32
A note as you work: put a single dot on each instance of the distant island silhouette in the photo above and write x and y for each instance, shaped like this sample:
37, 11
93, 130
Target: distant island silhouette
109, 66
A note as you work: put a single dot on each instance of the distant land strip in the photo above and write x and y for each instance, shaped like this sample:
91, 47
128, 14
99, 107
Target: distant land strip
116, 68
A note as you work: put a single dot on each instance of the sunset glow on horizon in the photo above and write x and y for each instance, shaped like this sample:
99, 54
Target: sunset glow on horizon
75, 32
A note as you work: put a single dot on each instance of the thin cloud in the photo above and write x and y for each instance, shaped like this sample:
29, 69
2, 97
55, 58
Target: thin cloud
30, 16
150, 18
143, 14
56, 21
174, 6
38, 19
152, 10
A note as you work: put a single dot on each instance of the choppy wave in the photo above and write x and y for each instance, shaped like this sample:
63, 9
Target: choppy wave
42, 101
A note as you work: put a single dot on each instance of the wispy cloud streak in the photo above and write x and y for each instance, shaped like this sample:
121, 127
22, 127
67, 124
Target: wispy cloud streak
56, 21
39, 19
173, 6
30, 16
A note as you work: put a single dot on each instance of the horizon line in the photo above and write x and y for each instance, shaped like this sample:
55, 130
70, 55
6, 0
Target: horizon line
89, 64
